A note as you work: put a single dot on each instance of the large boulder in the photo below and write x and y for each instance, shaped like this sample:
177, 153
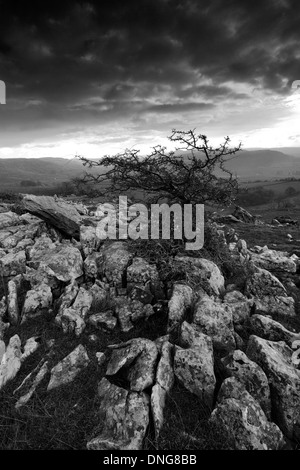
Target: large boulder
57, 213
243, 418
241, 214
275, 358
123, 417
194, 363
215, 320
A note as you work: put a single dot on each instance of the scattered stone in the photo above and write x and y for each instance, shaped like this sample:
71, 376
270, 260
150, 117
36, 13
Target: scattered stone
9, 219
244, 215
274, 260
31, 382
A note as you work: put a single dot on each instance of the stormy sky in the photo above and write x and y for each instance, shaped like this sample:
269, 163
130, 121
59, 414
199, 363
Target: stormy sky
96, 77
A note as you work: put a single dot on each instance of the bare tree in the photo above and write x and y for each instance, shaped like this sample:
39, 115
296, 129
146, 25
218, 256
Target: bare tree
194, 173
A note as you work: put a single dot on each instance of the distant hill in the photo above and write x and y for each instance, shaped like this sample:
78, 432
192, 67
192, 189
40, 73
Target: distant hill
41, 171
264, 164
261, 164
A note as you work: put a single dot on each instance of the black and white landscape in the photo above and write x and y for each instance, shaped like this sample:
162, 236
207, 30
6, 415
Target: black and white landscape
130, 343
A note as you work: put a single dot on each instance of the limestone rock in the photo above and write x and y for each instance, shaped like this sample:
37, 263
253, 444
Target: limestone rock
37, 302
30, 347
12, 302
271, 330
63, 262
205, 270
58, 213
181, 300
30, 383
194, 367
8, 219
240, 306
114, 260
275, 358
243, 418
269, 294
251, 375
141, 273
274, 260
124, 416
141, 355
10, 359
68, 369
215, 320
104, 320
13, 264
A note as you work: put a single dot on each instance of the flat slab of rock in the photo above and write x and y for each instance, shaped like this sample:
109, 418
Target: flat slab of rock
59, 214
68, 369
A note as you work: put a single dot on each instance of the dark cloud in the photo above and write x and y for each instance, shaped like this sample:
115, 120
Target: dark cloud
73, 61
